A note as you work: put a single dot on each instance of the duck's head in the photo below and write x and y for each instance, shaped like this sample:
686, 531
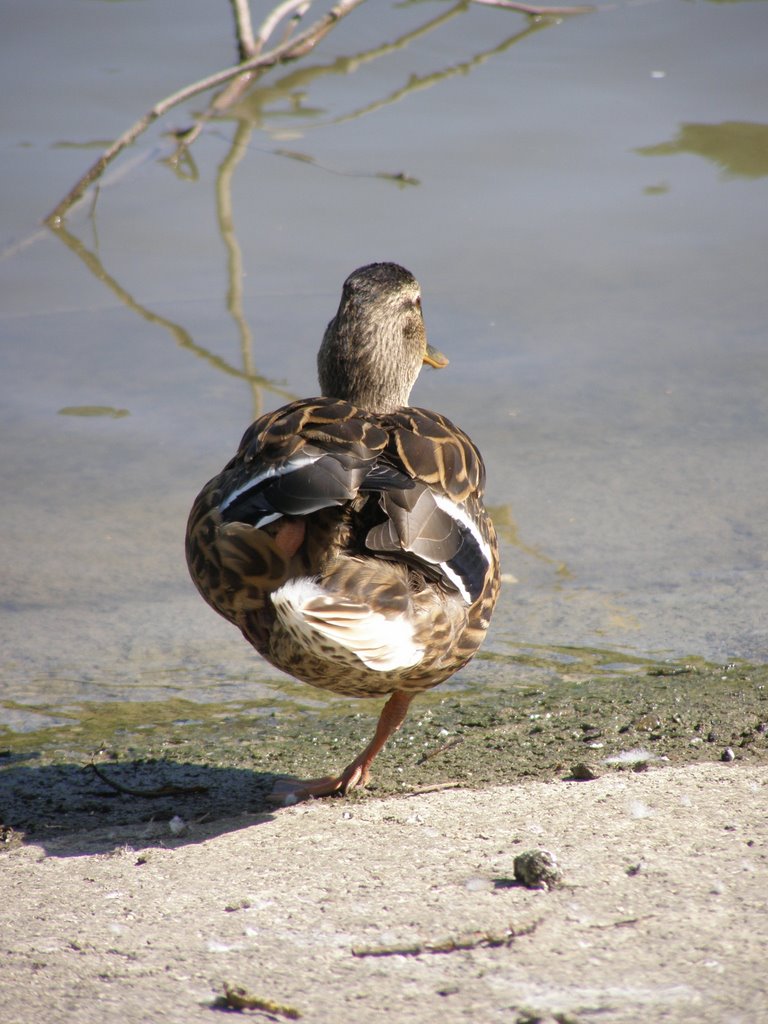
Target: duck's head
376, 344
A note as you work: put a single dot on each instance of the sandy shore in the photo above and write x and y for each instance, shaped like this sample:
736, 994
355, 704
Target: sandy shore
663, 914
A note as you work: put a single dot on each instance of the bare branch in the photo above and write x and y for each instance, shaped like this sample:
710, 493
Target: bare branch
296, 8
246, 44
288, 50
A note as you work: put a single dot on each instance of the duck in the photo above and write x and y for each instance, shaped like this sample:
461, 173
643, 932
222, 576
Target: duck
347, 538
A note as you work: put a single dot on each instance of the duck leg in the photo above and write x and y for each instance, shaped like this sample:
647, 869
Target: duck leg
393, 714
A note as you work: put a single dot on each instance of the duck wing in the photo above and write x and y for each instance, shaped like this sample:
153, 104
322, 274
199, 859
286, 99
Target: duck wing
439, 521
425, 475
307, 456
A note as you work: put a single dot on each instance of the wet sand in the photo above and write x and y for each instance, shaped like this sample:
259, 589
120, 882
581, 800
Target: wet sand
153, 762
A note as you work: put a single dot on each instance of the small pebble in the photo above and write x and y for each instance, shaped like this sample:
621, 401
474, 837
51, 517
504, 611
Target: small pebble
177, 825
648, 723
728, 755
537, 869
449, 990
239, 905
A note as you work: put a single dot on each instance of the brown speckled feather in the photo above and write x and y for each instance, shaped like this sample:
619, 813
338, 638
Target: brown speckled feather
432, 449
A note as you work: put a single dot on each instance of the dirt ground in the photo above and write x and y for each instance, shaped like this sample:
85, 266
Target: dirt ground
140, 893
406, 909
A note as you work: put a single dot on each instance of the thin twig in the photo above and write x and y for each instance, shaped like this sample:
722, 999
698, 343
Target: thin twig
221, 102
296, 8
433, 787
534, 10
455, 742
624, 922
246, 44
167, 790
295, 18
237, 998
450, 944
289, 50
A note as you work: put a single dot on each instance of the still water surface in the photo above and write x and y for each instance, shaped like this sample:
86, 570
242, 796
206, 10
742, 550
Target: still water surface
585, 203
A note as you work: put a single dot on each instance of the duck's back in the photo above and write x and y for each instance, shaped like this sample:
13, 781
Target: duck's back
352, 549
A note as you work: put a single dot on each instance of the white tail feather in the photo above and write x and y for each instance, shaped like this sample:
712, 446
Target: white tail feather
382, 644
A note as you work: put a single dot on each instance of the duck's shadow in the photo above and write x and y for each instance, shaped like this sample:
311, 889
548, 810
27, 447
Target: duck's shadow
76, 809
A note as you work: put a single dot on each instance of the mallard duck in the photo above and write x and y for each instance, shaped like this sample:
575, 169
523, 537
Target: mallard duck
347, 538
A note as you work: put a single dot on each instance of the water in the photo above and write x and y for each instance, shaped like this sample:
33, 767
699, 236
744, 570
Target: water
585, 206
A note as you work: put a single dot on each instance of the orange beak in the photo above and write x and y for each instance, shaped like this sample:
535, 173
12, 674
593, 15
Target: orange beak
432, 357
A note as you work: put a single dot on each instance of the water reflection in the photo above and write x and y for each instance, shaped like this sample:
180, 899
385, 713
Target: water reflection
570, 663
94, 410
180, 334
286, 98
226, 223
739, 148
416, 83
252, 106
507, 530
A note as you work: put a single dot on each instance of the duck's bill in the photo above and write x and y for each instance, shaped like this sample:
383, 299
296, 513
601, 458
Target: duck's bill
432, 357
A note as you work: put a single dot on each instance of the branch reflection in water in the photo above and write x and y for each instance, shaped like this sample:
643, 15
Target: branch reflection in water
252, 106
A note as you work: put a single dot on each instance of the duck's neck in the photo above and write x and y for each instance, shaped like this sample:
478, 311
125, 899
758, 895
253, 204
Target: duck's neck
362, 368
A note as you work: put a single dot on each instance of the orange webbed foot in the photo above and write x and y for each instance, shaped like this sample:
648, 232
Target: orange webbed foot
289, 791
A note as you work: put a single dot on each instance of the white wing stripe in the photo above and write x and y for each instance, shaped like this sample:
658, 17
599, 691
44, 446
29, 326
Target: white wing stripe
457, 581
297, 462
458, 513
